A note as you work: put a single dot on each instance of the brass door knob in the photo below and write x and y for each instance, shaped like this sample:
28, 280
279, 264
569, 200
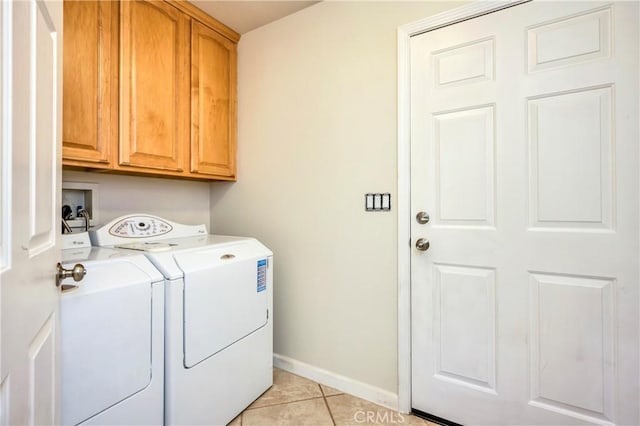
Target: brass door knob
77, 273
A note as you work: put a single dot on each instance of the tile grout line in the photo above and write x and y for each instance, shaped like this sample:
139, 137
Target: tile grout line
326, 403
282, 403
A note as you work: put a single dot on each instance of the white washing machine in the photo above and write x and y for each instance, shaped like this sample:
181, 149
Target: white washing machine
219, 329
112, 337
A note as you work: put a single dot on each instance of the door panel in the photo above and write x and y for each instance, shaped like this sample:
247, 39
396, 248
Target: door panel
31, 117
42, 367
572, 336
465, 183
524, 153
43, 137
570, 40
459, 331
581, 154
154, 104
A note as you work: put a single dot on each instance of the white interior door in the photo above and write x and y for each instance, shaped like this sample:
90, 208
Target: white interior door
29, 191
524, 147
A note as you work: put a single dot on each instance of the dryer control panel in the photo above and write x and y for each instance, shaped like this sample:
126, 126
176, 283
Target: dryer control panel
142, 227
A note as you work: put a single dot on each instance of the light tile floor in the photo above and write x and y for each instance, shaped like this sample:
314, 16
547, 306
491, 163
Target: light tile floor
296, 401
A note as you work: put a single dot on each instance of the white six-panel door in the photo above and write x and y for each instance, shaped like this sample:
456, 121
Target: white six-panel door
524, 153
29, 193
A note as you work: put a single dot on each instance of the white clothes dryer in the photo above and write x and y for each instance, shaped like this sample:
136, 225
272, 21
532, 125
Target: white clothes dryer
219, 328
112, 337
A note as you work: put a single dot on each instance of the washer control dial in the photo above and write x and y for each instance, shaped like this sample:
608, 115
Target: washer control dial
140, 227
143, 226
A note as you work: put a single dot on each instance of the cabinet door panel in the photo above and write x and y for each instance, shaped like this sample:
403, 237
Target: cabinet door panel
90, 70
213, 102
154, 104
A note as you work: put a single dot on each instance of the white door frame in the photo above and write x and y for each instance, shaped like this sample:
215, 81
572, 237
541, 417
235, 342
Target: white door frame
405, 32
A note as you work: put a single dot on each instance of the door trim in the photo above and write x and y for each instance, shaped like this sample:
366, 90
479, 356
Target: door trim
6, 131
404, 34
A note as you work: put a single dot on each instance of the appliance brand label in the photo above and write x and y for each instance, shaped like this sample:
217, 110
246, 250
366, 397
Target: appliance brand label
262, 275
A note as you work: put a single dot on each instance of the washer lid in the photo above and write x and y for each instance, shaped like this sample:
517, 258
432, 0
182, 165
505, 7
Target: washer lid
90, 256
166, 263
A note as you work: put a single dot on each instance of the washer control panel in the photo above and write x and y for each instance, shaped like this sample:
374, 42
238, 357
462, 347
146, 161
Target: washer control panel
140, 227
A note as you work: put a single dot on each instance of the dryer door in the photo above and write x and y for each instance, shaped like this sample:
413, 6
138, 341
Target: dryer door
225, 298
106, 339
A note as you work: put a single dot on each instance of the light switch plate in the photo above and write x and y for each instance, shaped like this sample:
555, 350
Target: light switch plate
376, 202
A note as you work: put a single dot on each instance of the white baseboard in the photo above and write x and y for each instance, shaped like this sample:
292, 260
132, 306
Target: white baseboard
342, 383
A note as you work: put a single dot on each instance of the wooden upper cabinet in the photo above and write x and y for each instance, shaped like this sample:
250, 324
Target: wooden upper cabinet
154, 83
90, 72
213, 102
149, 88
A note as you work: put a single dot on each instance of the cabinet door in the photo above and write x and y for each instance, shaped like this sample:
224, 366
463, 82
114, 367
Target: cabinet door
213, 102
154, 101
90, 72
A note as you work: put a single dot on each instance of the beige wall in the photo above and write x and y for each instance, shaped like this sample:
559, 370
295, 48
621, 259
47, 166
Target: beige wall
177, 200
317, 130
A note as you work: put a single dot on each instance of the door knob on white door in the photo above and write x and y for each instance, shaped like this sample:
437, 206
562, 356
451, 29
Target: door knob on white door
77, 273
422, 218
422, 244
